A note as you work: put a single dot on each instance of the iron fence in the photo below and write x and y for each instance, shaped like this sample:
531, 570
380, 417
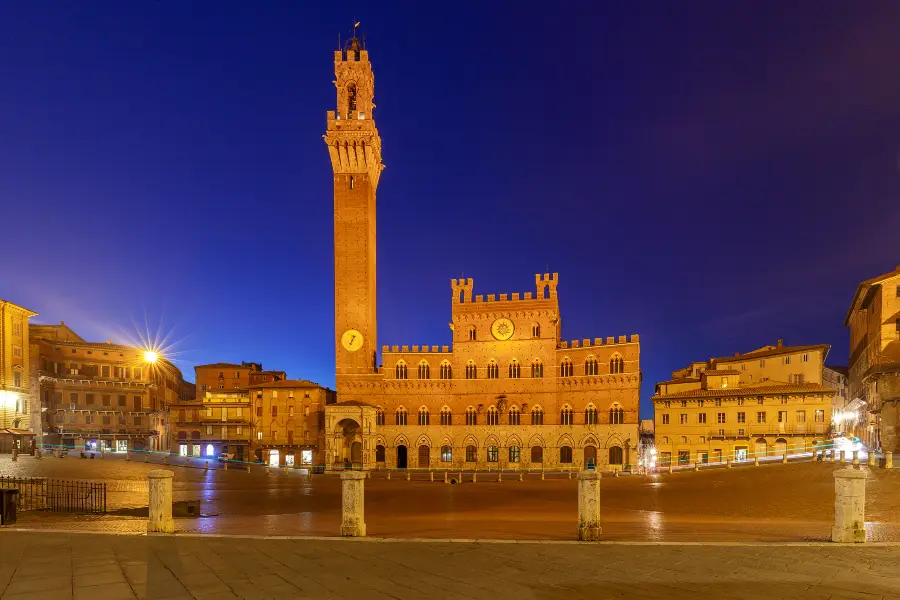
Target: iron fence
57, 495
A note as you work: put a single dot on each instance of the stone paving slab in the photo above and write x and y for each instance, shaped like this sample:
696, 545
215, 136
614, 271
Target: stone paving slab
40, 565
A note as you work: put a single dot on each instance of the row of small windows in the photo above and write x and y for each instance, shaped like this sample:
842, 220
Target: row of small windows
514, 416
616, 455
566, 369
535, 332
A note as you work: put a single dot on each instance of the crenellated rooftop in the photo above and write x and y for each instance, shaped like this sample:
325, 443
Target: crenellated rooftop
417, 349
586, 343
545, 289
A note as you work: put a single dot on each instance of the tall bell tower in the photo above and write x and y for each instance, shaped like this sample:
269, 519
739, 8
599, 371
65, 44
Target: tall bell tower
355, 151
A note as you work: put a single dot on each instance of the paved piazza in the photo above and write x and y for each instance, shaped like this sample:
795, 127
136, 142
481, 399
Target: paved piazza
792, 502
110, 567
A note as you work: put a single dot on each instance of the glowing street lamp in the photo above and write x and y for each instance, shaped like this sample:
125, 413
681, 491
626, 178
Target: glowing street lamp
8, 400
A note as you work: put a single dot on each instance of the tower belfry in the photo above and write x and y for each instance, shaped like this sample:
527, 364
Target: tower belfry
355, 151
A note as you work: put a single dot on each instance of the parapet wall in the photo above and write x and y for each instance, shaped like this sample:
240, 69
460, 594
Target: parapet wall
586, 343
545, 288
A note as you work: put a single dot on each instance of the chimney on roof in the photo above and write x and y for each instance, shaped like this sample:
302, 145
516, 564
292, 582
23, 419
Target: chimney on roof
736, 354
780, 343
62, 322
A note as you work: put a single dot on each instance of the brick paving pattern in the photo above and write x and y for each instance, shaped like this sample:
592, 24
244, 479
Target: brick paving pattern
111, 567
775, 502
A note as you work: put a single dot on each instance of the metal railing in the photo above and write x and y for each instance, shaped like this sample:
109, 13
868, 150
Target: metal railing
57, 495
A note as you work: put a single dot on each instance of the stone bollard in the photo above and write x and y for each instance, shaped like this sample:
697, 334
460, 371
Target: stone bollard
38, 453
408, 475
309, 474
727, 463
784, 458
849, 506
446, 479
542, 475
615, 472
224, 465
696, 466
128, 456
147, 457
206, 467
431, 476
589, 506
15, 455
870, 459
160, 502
829, 455
570, 474
389, 475
500, 476
353, 522
248, 467
165, 458
755, 461
855, 461
368, 474
671, 468
268, 470
844, 456
888, 460
521, 476
59, 453
475, 477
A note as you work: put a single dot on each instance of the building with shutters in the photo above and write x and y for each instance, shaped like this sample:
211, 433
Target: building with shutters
101, 395
507, 392
766, 402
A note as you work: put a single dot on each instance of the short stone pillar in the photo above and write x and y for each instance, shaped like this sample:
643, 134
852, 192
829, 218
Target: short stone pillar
855, 461
784, 458
15, 454
59, 453
160, 502
165, 458
888, 460
147, 457
206, 466
870, 459
475, 477
589, 506
224, 465
755, 461
849, 506
828, 455
697, 466
671, 468
353, 523
499, 476
542, 475
521, 476
727, 463
248, 467
446, 479
430, 475
844, 456
128, 456
408, 475
38, 452
389, 475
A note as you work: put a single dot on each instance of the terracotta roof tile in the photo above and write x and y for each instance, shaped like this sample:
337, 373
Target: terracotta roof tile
776, 351
722, 372
757, 390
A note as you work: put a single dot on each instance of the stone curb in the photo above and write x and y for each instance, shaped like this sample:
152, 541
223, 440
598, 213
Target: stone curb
445, 540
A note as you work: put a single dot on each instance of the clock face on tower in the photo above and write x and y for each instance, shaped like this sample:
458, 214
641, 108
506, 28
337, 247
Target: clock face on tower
352, 340
502, 329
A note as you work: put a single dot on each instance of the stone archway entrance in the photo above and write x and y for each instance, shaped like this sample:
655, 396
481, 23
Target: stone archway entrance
401, 457
348, 444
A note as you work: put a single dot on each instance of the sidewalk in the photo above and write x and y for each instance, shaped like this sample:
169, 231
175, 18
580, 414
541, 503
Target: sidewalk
112, 567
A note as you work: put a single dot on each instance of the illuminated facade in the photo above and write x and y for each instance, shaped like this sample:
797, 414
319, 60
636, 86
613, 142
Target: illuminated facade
276, 422
97, 395
17, 410
508, 392
766, 402
874, 367
844, 418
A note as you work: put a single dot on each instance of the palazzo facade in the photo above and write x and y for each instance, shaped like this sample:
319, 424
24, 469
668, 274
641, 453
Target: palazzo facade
507, 393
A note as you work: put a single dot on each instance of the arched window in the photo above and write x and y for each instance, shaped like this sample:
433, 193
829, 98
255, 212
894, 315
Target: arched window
400, 370
471, 416
424, 370
684, 439
351, 101
493, 417
590, 415
182, 435
400, 416
513, 415
535, 330
616, 415
565, 455
537, 454
565, 416
471, 333
615, 455
514, 454
513, 369
665, 439
493, 454
446, 370
471, 454
565, 368
493, 370
210, 450
379, 453
471, 370
537, 368
616, 364
446, 416
379, 416
446, 454
537, 416
590, 366
424, 417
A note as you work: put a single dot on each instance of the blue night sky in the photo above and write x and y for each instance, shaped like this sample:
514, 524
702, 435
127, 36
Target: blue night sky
710, 175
